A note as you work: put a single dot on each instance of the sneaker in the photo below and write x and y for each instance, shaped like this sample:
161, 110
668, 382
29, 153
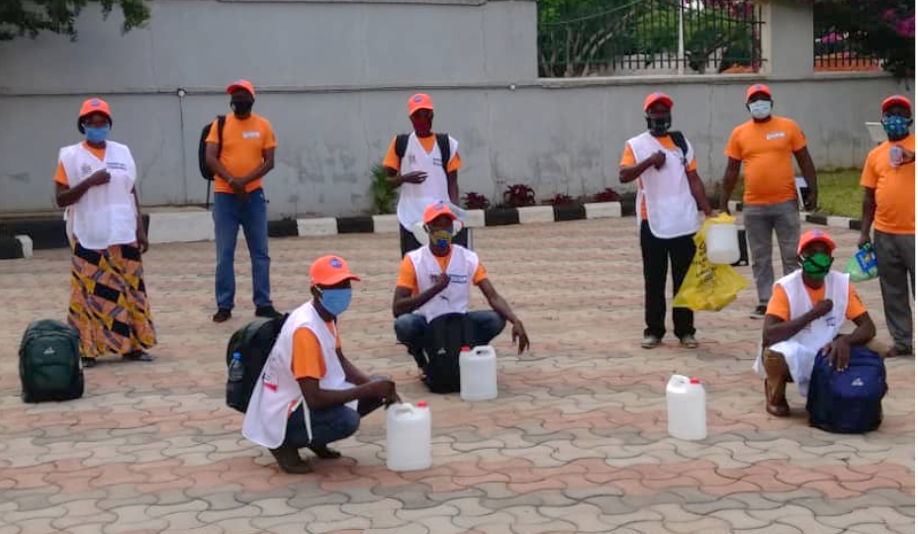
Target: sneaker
898, 350
138, 356
88, 362
222, 315
289, 460
267, 312
650, 342
688, 342
758, 312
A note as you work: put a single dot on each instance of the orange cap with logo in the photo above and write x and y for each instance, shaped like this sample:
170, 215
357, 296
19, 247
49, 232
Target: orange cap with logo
815, 236
757, 88
241, 84
419, 101
95, 105
330, 270
658, 96
438, 209
896, 99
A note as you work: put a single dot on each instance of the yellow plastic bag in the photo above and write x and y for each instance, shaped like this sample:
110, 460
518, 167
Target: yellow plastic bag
708, 286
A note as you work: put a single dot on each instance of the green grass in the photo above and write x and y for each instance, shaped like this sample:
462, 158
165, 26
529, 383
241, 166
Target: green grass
840, 193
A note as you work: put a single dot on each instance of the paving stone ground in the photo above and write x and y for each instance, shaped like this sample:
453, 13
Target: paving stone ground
576, 442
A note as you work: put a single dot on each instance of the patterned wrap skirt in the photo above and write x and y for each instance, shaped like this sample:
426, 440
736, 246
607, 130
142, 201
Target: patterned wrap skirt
108, 301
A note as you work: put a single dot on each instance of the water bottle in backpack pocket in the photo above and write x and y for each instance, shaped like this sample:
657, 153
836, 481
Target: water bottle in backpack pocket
246, 354
50, 367
847, 402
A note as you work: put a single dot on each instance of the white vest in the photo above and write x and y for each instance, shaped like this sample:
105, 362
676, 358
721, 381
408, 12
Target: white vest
106, 214
277, 393
671, 208
800, 351
413, 199
455, 298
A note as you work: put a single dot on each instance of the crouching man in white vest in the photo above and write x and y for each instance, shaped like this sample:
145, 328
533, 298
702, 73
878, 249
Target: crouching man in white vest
437, 280
805, 314
309, 394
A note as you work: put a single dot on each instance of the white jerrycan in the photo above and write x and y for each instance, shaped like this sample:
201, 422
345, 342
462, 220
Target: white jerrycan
478, 373
721, 240
408, 437
685, 408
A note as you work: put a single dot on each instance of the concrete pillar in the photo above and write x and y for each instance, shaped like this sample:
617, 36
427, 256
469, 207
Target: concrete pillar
787, 38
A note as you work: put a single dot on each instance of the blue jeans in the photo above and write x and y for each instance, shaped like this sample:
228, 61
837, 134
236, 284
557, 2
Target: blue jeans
411, 329
328, 425
229, 213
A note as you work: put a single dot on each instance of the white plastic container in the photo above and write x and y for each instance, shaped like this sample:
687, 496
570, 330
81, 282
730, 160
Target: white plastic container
722, 243
686, 414
408, 437
478, 373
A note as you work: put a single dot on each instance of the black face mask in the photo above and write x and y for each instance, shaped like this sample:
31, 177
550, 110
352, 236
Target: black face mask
659, 126
241, 107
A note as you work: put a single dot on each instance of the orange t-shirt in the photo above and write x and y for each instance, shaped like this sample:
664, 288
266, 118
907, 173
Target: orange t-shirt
392, 161
60, 175
895, 188
766, 149
407, 277
307, 361
629, 159
779, 305
244, 143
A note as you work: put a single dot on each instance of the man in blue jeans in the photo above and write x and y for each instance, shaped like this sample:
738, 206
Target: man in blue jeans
436, 280
240, 156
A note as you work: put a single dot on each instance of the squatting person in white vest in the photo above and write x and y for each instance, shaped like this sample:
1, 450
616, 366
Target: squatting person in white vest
670, 192
437, 280
425, 168
805, 314
309, 394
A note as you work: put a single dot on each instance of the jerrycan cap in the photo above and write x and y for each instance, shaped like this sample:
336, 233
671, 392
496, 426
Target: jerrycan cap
694, 381
422, 404
465, 348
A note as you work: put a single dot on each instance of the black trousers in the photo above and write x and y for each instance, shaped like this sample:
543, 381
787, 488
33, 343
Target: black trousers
409, 243
657, 254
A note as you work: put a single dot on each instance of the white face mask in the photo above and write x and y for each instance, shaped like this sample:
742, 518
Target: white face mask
760, 109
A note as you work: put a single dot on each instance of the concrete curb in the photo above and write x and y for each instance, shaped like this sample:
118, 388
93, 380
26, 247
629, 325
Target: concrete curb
188, 226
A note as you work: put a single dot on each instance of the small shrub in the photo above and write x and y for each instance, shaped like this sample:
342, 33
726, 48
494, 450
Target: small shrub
381, 192
607, 195
518, 196
474, 201
562, 200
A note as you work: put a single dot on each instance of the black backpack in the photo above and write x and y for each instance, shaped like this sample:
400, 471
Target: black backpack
254, 342
206, 172
50, 367
446, 336
401, 144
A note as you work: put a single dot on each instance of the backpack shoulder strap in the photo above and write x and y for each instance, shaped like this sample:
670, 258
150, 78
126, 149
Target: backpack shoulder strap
679, 140
221, 123
401, 145
445, 156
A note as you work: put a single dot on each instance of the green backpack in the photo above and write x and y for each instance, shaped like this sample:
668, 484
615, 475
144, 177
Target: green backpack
50, 367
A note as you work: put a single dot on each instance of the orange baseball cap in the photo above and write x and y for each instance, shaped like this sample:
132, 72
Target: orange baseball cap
438, 209
896, 99
95, 105
419, 101
815, 236
330, 270
658, 96
757, 88
241, 84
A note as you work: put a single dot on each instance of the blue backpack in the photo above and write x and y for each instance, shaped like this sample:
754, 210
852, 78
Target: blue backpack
848, 402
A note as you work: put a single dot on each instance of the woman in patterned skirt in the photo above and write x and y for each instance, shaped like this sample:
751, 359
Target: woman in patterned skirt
108, 299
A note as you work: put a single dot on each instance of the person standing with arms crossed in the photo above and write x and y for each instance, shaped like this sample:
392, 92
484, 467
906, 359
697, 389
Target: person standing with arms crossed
764, 146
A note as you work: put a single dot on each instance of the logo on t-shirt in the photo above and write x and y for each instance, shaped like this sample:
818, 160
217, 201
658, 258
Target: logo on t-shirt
116, 166
775, 135
251, 135
85, 169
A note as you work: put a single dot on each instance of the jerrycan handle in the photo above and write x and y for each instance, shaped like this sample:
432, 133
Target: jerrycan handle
678, 380
480, 351
403, 409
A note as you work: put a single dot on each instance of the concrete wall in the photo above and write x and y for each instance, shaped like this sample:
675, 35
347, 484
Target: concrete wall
334, 78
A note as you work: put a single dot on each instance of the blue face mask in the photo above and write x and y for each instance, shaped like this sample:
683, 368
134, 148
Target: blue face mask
96, 134
896, 126
336, 301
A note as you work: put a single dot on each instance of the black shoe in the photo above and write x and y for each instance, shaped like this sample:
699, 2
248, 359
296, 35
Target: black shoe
222, 315
138, 356
758, 312
88, 362
268, 312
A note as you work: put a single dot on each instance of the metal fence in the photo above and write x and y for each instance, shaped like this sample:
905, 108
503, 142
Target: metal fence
618, 37
836, 49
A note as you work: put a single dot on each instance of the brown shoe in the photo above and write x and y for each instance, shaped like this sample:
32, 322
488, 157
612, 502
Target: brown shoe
775, 401
288, 459
897, 350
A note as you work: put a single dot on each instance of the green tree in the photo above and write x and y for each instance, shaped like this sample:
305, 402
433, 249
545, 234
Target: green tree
31, 17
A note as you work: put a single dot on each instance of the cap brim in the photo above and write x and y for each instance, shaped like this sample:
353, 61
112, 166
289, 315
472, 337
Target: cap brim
338, 278
828, 242
233, 88
437, 216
